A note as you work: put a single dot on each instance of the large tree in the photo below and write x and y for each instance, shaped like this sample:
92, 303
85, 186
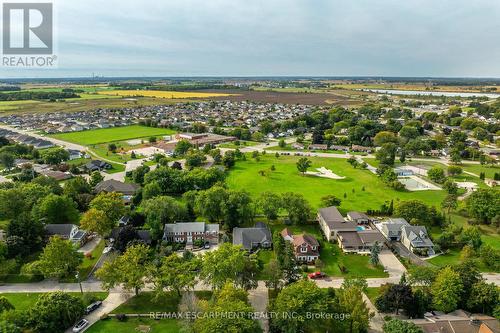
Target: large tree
56, 209
59, 258
484, 204
175, 273
303, 164
301, 298
446, 290
297, 207
55, 312
226, 264
229, 300
270, 203
110, 203
95, 220
127, 270
161, 210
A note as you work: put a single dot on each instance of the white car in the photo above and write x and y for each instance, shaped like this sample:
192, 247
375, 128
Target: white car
80, 325
107, 249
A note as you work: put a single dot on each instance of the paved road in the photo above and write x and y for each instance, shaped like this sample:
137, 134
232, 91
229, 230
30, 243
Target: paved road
65, 144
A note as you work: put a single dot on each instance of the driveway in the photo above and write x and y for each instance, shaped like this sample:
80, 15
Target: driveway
90, 246
113, 300
259, 298
391, 263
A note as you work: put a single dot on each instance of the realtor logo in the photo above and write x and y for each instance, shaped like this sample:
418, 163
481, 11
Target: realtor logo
28, 35
27, 28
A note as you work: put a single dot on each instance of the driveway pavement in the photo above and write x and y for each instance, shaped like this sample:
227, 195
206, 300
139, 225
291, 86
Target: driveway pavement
259, 298
391, 263
109, 304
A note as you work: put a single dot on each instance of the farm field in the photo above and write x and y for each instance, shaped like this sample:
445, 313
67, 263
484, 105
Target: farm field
245, 176
162, 94
104, 135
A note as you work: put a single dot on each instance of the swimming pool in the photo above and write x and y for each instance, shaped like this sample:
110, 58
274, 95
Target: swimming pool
360, 228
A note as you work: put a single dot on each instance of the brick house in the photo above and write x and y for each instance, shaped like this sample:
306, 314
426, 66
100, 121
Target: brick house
188, 232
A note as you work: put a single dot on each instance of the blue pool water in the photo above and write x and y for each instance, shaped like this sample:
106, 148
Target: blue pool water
360, 228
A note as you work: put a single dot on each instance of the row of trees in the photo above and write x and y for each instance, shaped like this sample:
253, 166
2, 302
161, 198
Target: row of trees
446, 290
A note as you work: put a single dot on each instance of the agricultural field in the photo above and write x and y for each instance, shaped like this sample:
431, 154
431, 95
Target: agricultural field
162, 94
245, 176
104, 135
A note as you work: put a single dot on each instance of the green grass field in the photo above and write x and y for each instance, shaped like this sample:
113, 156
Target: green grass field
88, 263
112, 325
286, 178
23, 301
144, 303
104, 135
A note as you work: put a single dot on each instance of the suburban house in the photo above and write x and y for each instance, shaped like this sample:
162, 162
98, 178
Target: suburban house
416, 239
331, 222
251, 238
318, 147
358, 217
458, 321
142, 235
361, 241
67, 231
188, 232
74, 154
97, 165
392, 228
297, 145
305, 247
112, 185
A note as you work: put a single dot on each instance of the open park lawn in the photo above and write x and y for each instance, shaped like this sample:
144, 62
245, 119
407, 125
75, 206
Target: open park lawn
145, 302
104, 135
24, 301
245, 176
133, 325
330, 255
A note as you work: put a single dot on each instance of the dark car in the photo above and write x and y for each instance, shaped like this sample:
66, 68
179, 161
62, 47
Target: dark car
92, 307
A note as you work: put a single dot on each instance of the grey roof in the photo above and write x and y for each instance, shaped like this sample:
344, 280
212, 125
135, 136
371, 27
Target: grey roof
190, 227
357, 215
247, 237
331, 214
59, 229
112, 185
417, 235
371, 236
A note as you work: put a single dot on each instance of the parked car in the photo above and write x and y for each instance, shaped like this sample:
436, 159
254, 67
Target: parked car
207, 245
80, 325
93, 306
316, 275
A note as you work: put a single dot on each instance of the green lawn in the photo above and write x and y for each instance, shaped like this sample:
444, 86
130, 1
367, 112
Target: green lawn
104, 135
372, 293
489, 171
112, 325
23, 301
144, 303
286, 178
241, 144
88, 263
264, 257
332, 256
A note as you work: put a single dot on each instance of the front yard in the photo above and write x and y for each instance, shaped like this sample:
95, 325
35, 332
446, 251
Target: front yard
331, 255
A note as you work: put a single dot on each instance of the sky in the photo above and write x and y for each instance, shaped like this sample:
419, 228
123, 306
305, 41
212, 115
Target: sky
445, 38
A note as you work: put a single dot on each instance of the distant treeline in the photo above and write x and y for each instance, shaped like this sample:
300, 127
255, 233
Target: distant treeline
172, 87
36, 95
10, 88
